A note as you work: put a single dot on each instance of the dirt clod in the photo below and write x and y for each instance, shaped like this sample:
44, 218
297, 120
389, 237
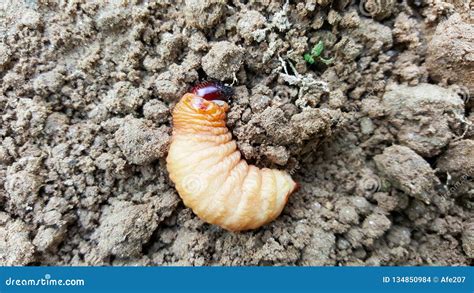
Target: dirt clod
204, 14
16, 248
223, 60
124, 229
408, 171
140, 142
424, 116
451, 52
468, 238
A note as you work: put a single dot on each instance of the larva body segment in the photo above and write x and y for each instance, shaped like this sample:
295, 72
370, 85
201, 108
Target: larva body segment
210, 175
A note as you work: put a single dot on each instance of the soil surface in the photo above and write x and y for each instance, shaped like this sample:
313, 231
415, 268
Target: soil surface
379, 131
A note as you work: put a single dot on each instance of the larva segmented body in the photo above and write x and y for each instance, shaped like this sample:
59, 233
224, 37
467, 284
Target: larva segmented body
210, 175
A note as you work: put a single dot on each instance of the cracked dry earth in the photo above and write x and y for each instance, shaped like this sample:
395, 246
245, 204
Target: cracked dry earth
381, 139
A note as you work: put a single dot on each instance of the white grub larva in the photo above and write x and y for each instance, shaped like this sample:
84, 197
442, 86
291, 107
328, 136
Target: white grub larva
209, 173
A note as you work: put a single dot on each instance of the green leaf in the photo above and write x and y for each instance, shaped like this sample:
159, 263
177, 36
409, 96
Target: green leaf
308, 58
326, 61
317, 49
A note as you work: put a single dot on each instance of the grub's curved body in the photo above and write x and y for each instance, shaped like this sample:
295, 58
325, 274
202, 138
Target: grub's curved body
210, 175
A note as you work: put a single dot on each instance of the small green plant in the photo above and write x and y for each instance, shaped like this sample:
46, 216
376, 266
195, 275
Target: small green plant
315, 55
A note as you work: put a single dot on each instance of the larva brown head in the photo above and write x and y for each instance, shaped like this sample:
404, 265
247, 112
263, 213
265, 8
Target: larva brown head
213, 90
205, 105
